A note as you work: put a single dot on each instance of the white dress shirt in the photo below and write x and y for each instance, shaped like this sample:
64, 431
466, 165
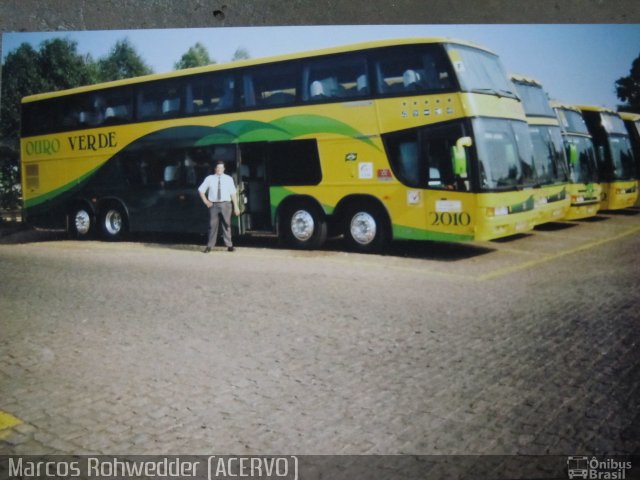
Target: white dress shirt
227, 187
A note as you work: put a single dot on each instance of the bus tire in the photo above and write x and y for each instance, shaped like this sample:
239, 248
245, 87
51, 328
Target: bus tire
366, 227
303, 226
80, 222
113, 222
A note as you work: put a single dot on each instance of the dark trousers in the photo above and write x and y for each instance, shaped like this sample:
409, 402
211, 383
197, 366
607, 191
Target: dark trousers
220, 213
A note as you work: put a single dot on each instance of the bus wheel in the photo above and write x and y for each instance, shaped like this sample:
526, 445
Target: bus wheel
366, 228
81, 223
304, 226
113, 223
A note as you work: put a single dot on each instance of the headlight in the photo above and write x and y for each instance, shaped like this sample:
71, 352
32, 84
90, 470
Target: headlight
497, 211
577, 199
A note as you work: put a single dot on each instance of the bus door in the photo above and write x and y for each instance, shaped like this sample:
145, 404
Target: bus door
253, 188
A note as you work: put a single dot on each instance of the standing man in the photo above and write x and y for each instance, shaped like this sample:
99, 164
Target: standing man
221, 193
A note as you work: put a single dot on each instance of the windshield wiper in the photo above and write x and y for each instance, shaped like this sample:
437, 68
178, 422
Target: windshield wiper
509, 93
497, 93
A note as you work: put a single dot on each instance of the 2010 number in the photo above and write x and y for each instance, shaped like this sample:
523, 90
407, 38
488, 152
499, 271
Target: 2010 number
461, 219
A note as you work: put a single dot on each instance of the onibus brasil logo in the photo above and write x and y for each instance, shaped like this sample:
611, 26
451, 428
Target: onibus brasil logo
594, 468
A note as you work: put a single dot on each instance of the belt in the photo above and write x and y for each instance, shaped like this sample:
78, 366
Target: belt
223, 201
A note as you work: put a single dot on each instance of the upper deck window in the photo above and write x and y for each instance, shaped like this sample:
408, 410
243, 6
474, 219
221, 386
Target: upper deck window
534, 100
613, 124
84, 110
479, 71
160, 99
270, 85
572, 121
210, 93
413, 69
335, 78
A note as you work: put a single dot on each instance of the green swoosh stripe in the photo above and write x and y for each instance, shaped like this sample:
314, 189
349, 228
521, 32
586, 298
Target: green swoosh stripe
284, 128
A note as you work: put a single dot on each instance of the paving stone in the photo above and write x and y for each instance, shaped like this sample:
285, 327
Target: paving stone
344, 353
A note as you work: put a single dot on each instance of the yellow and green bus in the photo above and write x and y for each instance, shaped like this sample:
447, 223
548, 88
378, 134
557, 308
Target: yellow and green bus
616, 167
632, 122
550, 164
407, 139
584, 189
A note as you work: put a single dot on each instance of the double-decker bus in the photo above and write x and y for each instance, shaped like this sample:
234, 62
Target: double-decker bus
550, 164
632, 122
616, 168
584, 188
406, 139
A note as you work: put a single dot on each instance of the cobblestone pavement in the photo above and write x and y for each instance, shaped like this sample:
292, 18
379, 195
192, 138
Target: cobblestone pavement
524, 346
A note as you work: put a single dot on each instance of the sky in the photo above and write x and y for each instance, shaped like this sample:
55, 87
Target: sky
576, 63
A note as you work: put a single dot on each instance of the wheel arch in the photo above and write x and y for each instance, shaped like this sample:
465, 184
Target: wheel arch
296, 199
351, 201
71, 208
111, 201
105, 205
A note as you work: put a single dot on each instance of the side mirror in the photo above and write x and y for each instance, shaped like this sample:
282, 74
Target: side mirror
601, 154
573, 155
459, 156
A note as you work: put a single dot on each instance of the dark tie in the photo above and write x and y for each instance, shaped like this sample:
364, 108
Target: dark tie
219, 193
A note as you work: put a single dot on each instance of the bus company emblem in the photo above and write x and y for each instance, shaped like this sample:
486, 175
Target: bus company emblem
351, 157
384, 175
43, 147
93, 142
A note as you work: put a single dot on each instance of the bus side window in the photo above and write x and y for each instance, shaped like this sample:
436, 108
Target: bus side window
158, 99
117, 105
210, 92
271, 85
400, 70
337, 77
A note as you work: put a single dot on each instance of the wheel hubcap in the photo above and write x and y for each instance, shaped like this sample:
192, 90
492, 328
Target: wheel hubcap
363, 228
82, 222
113, 222
302, 225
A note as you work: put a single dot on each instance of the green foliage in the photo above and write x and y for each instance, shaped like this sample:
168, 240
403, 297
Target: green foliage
122, 62
241, 54
628, 88
9, 179
196, 56
56, 65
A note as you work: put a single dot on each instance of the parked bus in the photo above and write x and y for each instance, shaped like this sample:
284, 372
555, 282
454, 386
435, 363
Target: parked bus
632, 122
407, 139
550, 163
584, 188
616, 168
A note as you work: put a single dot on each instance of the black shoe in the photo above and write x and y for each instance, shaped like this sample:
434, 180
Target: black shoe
206, 250
231, 249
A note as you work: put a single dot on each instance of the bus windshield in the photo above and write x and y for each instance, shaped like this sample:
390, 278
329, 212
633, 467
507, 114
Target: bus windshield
585, 170
572, 121
613, 124
534, 100
505, 154
548, 154
479, 71
621, 157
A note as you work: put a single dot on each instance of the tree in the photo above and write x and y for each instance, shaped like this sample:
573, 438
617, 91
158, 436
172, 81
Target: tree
55, 66
61, 66
122, 62
241, 54
21, 77
628, 88
196, 56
